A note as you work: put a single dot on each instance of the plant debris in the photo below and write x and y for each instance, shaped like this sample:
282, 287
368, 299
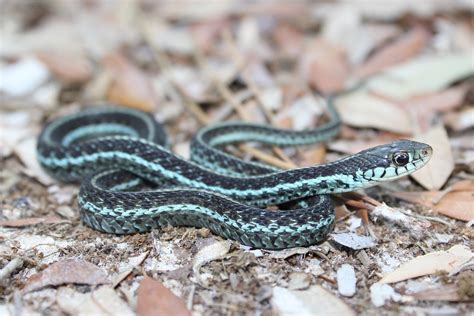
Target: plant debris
399, 69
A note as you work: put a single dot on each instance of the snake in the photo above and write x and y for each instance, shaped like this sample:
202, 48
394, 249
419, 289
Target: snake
131, 182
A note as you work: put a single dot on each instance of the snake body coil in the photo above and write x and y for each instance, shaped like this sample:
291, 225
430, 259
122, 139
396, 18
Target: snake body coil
115, 150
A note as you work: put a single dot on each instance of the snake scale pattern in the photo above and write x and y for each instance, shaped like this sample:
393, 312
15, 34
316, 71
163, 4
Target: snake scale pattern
131, 182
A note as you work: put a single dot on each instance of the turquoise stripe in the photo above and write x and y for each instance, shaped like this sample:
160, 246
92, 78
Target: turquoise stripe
192, 208
98, 129
353, 182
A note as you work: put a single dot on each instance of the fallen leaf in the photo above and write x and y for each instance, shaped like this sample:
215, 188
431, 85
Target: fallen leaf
313, 301
430, 263
286, 253
402, 49
313, 156
125, 272
22, 222
66, 67
444, 293
456, 204
425, 107
130, 86
26, 151
435, 173
209, 253
325, 66
289, 39
421, 76
154, 298
353, 240
65, 272
103, 301
362, 109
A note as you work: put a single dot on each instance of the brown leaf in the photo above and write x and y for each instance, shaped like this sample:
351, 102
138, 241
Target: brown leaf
430, 263
68, 68
426, 106
155, 299
66, 272
363, 109
439, 168
22, 222
402, 49
454, 202
325, 66
314, 156
130, 86
444, 293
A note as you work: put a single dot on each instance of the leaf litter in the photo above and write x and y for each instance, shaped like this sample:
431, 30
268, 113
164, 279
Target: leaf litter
190, 65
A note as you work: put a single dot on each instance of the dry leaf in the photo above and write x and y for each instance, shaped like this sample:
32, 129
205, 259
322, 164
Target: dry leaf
426, 106
133, 263
361, 109
22, 222
444, 293
354, 241
67, 68
325, 66
130, 86
454, 202
314, 156
311, 302
420, 76
431, 263
209, 253
26, 150
154, 298
103, 301
65, 272
402, 49
439, 168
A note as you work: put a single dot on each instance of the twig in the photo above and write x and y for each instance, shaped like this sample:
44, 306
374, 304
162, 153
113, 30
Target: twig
227, 95
11, 266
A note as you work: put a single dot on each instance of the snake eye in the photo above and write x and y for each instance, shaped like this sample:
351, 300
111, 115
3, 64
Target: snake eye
400, 159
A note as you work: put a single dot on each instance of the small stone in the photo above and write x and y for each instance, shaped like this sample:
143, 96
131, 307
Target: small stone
380, 293
346, 280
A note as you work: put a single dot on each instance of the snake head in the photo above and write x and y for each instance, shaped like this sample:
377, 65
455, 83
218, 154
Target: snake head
397, 159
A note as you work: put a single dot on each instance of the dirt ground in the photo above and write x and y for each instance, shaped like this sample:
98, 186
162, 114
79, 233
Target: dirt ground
399, 69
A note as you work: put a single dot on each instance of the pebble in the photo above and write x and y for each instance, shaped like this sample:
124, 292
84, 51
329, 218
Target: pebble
346, 280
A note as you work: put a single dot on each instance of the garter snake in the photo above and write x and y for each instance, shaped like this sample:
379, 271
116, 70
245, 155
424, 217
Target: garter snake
115, 152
